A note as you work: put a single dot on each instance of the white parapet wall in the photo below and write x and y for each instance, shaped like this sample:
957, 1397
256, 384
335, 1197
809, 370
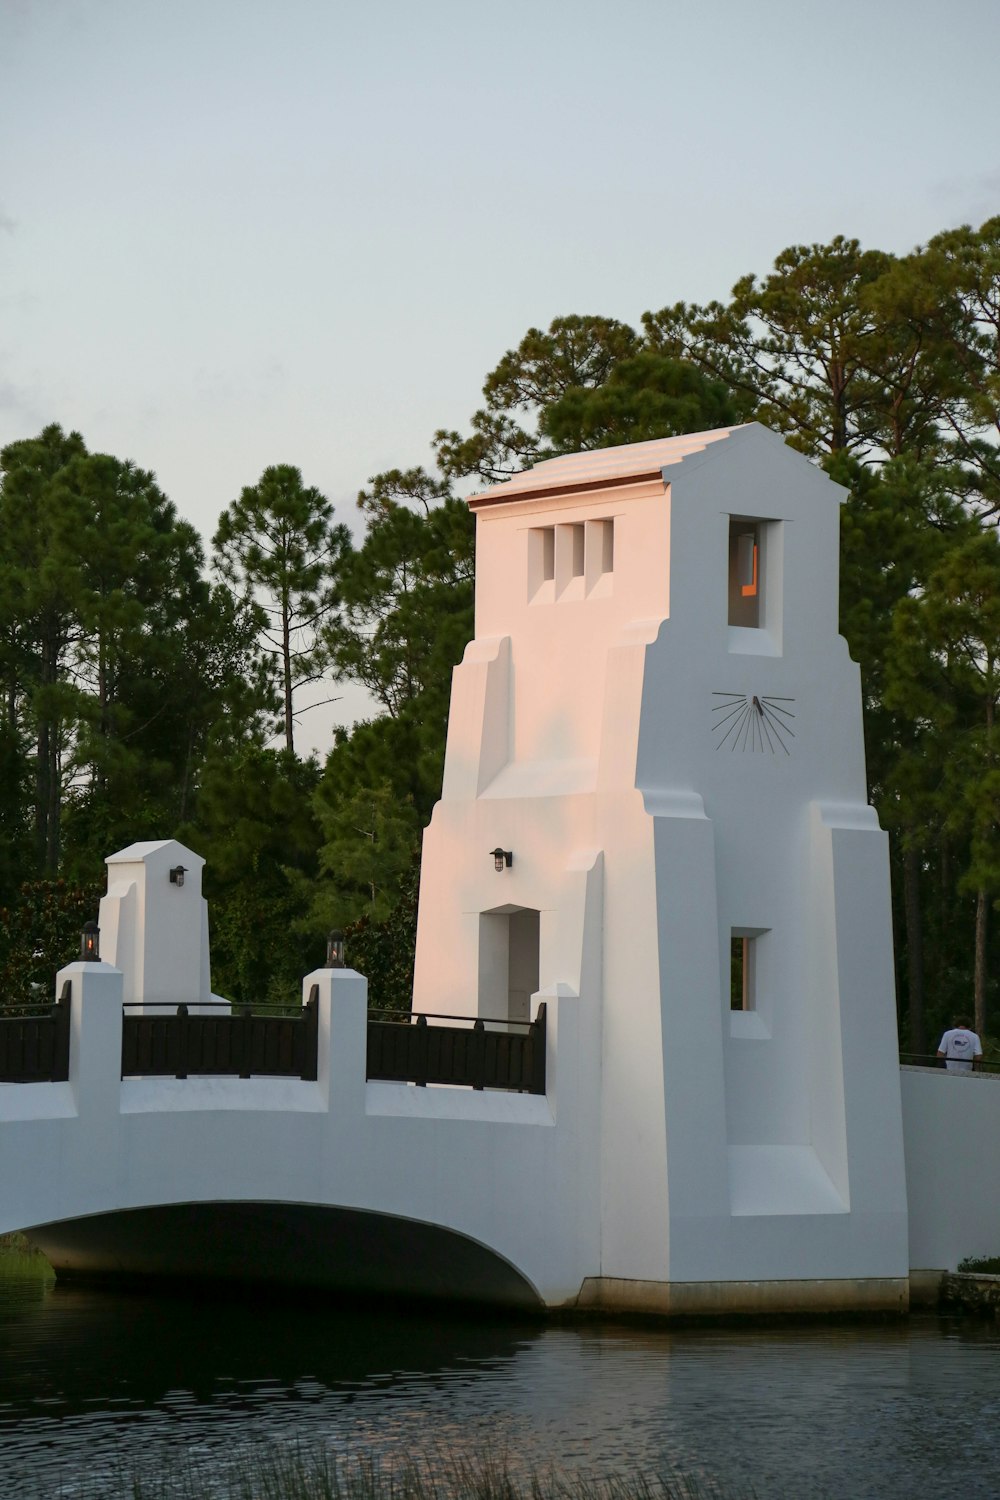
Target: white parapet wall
951, 1123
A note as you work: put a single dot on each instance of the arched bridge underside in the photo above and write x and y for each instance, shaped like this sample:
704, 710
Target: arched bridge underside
295, 1244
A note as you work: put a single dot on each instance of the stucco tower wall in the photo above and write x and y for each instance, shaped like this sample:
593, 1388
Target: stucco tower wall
776, 1153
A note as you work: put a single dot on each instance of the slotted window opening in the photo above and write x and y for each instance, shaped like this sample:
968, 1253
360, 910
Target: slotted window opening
541, 563
746, 572
577, 551
548, 543
571, 560
743, 957
742, 975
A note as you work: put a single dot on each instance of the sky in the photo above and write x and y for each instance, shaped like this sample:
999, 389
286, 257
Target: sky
235, 233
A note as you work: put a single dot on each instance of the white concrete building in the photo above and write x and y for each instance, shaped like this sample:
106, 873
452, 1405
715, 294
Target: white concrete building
660, 725
653, 818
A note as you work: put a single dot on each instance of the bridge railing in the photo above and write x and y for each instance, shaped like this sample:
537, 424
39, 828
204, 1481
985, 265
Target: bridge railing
245, 1045
479, 1054
931, 1060
35, 1048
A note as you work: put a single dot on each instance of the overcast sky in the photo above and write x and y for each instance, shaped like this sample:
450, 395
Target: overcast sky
243, 232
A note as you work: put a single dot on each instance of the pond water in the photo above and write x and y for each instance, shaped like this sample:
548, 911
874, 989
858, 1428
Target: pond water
94, 1382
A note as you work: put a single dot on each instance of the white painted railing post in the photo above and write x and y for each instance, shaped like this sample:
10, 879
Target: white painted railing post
95, 1036
90, 1163
342, 1046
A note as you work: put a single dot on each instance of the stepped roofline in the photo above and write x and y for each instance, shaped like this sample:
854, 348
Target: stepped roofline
600, 468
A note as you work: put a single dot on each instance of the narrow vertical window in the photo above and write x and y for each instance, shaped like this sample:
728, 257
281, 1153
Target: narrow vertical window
578, 551
541, 562
600, 560
607, 539
741, 972
745, 572
548, 536
570, 559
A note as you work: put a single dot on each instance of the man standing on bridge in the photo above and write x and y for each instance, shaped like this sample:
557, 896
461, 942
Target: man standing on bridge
960, 1047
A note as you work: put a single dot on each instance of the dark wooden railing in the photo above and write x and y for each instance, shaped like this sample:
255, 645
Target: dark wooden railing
411, 1048
235, 1046
35, 1049
414, 1050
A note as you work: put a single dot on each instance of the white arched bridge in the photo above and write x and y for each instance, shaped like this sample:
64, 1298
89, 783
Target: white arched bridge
405, 1155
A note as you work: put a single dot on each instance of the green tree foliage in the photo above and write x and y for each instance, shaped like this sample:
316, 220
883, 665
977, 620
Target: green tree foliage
39, 934
369, 839
402, 618
39, 585
945, 675
647, 396
576, 353
256, 829
15, 813
384, 951
799, 343
278, 544
121, 665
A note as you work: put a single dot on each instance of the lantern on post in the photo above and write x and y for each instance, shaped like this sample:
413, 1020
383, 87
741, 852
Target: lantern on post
335, 949
90, 951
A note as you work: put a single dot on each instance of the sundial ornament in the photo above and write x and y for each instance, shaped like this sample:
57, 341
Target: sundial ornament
748, 721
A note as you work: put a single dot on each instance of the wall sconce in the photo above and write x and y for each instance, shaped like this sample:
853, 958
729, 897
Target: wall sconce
502, 859
335, 949
177, 875
90, 950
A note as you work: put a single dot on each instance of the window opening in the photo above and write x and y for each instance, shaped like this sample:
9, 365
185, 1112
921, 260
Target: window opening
745, 572
607, 550
741, 973
541, 561
548, 539
577, 536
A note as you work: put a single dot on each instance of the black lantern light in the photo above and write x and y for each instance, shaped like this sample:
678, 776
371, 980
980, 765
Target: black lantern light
335, 949
502, 859
177, 875
90, 950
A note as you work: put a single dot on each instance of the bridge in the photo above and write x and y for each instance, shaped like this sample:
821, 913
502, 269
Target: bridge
334, 1179
333, 1148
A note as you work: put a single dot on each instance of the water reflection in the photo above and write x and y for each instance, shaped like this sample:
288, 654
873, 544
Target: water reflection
90, 1379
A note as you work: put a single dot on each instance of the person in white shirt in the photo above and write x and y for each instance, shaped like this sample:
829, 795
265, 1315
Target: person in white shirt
960, 1047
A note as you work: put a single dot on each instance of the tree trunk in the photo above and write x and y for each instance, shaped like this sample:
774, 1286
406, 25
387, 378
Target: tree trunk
55, 805
41, 796
914, 947
286, 654
982, 923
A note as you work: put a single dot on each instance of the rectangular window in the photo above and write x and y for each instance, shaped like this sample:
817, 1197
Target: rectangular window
746, 572
578, 551
605, 539
548, 536
600, 550
541, 562
741, 972
570, 550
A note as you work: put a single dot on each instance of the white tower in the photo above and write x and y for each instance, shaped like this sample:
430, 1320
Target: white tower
660, 724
